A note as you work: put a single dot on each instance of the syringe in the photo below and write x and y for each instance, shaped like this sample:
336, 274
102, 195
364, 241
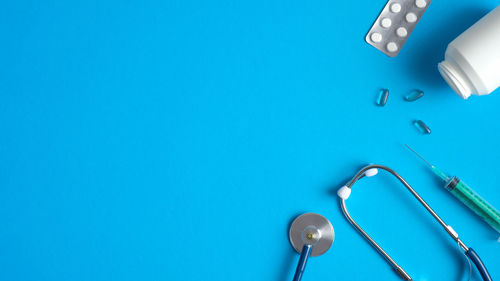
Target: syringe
465, 194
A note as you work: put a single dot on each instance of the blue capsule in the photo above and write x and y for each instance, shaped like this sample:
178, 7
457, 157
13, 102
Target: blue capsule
383, 95
414, 95
422, 127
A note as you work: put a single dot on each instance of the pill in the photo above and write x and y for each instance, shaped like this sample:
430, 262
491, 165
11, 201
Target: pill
422, 127
392, 47
411, 17
383, 95
420, 3
401, 32
414, 95
386, 22
376, 37
396, 8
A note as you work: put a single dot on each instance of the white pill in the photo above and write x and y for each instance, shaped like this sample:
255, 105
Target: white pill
401, 32
386, 22
420, 3
392, 47
376, 37
411, 17
396, 8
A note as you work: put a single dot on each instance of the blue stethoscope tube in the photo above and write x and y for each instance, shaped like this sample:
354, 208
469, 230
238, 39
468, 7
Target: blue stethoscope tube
304, 255
479, 264
306, 251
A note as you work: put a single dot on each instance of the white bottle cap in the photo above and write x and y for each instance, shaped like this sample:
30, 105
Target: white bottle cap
455, 79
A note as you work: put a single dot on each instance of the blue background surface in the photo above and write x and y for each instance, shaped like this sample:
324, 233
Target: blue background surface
176, 140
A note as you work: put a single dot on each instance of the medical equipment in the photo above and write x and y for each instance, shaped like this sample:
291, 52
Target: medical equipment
345, 191
465, 194
310, 235
394, 25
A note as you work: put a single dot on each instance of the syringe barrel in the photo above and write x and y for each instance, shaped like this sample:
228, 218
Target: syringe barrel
472, 200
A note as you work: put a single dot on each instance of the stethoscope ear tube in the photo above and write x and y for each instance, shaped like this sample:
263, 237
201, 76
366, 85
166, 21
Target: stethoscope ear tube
479, 264
345, 191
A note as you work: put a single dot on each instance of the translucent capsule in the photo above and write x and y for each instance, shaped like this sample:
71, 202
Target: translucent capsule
422, 127
383, 95
414, 95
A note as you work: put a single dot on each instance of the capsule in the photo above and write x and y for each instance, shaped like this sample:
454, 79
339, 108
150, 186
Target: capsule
383, 95
414, 95
422, 127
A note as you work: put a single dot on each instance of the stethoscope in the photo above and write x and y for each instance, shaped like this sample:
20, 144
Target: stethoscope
372, 170
310, 235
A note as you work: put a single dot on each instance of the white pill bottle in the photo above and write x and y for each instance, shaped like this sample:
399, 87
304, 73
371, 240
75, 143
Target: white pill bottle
472, 61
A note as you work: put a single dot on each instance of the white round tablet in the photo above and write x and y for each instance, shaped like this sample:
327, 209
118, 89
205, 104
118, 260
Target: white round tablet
376, 37
420, 3
386, 22
396, 8
401, 32
411, 17
392, 47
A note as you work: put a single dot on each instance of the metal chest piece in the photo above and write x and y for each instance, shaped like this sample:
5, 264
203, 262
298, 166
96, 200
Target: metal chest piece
312, 229
311, 235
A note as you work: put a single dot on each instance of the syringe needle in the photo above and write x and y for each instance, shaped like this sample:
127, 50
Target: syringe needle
407, 146
434, 169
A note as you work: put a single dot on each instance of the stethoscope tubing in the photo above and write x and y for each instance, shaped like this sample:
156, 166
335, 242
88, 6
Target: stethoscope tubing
479, 264
301, 266
468, 251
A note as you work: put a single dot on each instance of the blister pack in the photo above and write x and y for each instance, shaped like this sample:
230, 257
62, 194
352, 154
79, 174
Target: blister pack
395, 24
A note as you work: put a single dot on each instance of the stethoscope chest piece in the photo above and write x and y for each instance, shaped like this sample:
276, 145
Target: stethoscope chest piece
311, 235
314, 230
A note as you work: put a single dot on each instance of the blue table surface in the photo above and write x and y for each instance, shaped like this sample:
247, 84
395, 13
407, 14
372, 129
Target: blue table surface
176, 140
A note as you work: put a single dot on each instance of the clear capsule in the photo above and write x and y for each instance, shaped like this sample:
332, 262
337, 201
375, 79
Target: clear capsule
422, 127
414, 95
383, 95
